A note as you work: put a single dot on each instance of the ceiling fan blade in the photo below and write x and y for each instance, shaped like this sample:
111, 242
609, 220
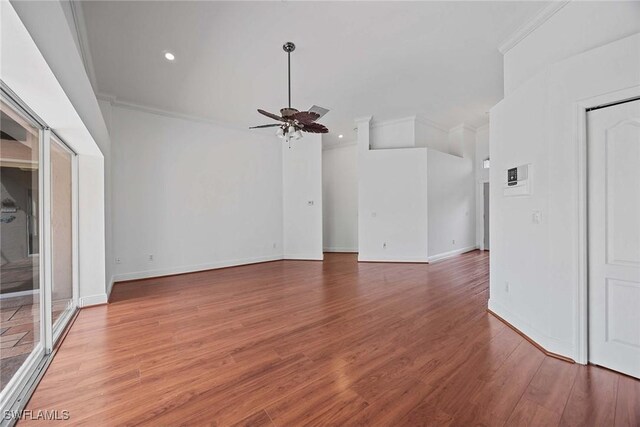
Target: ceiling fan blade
321, 111
265, 126
306, 116
314, 128
271, 115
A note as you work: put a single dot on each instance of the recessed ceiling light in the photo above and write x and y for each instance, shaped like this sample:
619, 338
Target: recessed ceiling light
340, 136
169, 56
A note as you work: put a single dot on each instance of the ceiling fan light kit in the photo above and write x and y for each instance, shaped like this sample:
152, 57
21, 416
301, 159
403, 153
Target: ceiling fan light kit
294, 122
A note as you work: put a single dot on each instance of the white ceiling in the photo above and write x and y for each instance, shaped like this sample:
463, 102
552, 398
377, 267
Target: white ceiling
386, 59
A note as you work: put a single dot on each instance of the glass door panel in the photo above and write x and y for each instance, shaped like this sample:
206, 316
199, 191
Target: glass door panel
62, 301
19, 241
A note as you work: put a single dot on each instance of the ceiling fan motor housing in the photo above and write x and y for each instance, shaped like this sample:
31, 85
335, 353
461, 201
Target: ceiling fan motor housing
288, 47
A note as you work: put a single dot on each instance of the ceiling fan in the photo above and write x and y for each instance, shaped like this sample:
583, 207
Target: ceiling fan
294, 122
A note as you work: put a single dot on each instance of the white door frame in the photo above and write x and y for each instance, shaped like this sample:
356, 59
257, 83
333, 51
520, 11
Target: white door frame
581, 328
480, 211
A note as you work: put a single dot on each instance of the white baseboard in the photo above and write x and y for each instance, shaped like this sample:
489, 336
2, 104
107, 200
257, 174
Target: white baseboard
110, 287
92, 300
341, 249
550, 344
369, 258
304, 257
192, 268
445, 255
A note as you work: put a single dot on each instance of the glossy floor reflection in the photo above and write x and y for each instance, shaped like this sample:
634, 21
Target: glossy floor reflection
325, 343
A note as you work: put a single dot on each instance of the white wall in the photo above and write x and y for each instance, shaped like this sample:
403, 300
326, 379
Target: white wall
577, 27
392, 202
41, 65
105, 107
535, 276
431, 135
302, 198
340, 198
193, 194
451, 205
482, 176
408, 132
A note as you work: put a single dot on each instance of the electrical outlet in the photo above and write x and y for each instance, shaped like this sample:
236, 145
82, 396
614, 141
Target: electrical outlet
150, 257
118, 260
274, 245
310, 202
453, 242
506, 287
384, 245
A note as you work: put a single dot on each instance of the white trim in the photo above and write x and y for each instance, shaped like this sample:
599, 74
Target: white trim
581, 309
193, 268
340, 249
90, 300
174, 114
337, 145
463, 126
428, 122
83, 41
482, 128
19, 294
46, 279
304, 257
449, 254
110, 287
531, 25
363, 119
550, 344
393, 122
368, 258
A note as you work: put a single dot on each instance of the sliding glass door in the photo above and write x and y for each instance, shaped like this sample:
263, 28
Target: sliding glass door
38, 250
20, 280
62, 233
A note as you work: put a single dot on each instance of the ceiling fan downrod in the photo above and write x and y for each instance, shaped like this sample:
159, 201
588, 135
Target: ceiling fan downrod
289, 47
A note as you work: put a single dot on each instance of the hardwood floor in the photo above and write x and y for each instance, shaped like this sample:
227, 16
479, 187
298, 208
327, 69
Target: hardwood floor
293, 343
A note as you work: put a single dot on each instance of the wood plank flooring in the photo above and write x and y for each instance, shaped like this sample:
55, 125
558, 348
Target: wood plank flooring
292, 343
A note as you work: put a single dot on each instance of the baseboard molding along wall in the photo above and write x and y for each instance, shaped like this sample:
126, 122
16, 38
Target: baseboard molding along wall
445, 255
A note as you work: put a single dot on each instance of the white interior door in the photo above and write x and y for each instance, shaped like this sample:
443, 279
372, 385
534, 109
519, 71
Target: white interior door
614, 237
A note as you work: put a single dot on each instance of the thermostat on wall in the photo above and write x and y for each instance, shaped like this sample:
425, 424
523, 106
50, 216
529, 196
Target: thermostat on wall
518, 181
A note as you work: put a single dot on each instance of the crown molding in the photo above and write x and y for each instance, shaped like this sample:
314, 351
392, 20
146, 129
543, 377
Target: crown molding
393, 121
83, 41
483, 127
115, 102
463, 126
363, 119
531, 25
429, 122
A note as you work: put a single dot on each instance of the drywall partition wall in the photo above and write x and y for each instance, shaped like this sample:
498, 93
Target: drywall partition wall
482, 176
399, 133
192, 195
302, 198
574, 27
535, 267
462, 141
27, 72
431, 135
340, 197
392, 202
451, 203
408, 132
